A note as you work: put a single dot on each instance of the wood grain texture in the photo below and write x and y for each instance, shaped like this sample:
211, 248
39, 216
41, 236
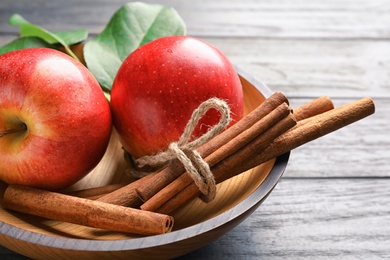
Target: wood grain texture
312, 219
333, 201
302, 68
249, 18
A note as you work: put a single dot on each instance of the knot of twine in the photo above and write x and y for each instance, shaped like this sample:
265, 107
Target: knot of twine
185, 151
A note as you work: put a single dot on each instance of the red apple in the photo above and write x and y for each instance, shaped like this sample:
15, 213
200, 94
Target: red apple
160, 84
55, 121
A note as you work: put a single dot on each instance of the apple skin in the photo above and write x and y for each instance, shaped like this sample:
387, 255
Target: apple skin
66, 114
160, 84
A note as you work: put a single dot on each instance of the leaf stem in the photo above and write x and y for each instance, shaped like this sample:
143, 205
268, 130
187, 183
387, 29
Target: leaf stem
71, 53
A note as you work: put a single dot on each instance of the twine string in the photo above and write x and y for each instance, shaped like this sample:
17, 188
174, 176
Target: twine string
185, 150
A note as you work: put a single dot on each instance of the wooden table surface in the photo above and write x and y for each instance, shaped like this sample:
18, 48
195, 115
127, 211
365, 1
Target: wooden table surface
334, 198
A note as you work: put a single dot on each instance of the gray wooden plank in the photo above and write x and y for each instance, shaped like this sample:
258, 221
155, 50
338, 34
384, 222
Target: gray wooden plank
341, 219
314, 67
277, 19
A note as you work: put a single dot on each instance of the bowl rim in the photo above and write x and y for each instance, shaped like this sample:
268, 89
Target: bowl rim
252, 201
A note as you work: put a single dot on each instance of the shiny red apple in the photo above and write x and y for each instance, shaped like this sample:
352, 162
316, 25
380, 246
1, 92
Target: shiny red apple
160, 84
55, 121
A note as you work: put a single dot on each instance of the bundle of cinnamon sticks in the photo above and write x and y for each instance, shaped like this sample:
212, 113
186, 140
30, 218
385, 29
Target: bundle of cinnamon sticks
269, 131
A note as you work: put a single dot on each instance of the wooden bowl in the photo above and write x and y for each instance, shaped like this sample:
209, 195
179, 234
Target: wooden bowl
196, 224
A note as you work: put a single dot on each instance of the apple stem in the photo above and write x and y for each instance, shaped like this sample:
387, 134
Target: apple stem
22, 127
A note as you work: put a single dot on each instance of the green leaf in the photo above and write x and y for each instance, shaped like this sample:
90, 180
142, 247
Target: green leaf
72, 37
133, 25
64, 38
23, 43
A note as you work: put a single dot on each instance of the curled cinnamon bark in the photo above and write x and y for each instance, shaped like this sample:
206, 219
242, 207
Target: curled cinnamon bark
270, 121
305, 131
314, 107
85, 212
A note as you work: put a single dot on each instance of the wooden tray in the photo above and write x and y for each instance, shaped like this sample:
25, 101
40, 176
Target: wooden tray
196, 224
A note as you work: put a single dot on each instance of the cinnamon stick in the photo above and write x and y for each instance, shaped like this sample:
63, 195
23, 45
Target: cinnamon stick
223, 173
305, 131
174, 170
312, 108
247, 121
246, 136
312, 128
96, 192
270, 121
127, 195
85, 212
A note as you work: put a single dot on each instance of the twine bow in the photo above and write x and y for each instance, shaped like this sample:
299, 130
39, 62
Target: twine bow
185, 151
